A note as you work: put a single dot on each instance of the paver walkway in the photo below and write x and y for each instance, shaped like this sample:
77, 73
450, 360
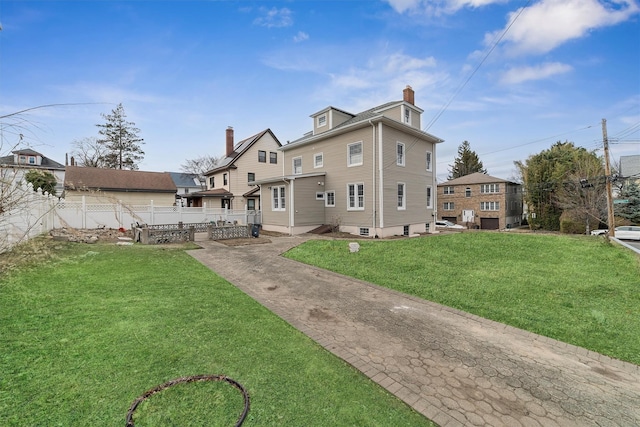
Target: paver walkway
455, 368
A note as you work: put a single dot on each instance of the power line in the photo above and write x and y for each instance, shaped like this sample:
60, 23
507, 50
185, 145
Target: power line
475, 70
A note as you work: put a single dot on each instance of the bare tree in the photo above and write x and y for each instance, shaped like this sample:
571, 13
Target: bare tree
88, 152
200, 165
582, 191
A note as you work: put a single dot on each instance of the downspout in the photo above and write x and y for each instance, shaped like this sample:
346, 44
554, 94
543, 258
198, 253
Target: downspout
373, 172
434, 191
380, 177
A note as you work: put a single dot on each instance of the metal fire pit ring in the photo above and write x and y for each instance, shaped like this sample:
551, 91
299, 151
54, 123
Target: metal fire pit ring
191, 379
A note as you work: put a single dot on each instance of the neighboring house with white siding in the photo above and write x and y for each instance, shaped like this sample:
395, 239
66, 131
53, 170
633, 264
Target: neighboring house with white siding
370, 174
16, 165
186, 183
228, 184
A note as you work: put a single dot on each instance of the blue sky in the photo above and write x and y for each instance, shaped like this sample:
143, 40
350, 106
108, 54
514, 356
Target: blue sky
510, 77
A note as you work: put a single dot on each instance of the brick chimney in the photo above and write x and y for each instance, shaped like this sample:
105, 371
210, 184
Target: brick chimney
229, 141
409, 95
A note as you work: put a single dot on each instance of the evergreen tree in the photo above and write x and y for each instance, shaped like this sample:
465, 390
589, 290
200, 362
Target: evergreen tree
630, 210
466, 163
44, 180
120, 141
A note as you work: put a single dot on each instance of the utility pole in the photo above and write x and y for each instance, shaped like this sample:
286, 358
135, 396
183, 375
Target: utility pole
607, 172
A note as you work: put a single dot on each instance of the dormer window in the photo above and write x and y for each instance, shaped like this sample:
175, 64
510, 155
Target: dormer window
407, 115
322, 120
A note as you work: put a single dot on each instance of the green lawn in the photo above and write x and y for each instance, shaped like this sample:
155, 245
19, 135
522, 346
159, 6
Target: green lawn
87, 329
577, 289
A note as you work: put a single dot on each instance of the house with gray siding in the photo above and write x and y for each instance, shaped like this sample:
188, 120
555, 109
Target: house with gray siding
370, 174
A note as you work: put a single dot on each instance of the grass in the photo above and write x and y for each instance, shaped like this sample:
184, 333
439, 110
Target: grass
577, 289
86, 329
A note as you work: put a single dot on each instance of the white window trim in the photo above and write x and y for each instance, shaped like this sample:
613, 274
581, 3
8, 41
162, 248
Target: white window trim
429, 161
319, 195
490, 206
404, 196
293, 165
448, 206
429, 195
318, 120
326, 199
404, 154
349, 154
356, 207
315, 163
404, 115
281, 206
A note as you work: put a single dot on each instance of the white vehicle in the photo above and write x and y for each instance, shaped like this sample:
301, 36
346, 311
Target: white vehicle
623, 232
449, 225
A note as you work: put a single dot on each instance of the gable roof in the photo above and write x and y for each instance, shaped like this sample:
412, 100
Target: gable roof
47, 163
239, 149
183, 179
475, 178
362, 118
77, 178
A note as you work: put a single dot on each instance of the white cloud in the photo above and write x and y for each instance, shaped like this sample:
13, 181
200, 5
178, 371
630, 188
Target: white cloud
522, 74
274, 18
300, 37
549, 23
438, 7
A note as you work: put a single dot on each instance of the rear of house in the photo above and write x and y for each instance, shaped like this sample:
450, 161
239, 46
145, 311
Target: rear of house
370, 174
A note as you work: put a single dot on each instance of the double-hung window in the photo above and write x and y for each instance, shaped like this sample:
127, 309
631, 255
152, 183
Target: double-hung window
400, 154
429, 163
429, 197
330, 200
449, 189
490, 188
225, 180
251, 177
354, 154
277, 198
318, 160
262, 156
355, 197
489, 206
448, 206
402, 196
273, 157
297, 165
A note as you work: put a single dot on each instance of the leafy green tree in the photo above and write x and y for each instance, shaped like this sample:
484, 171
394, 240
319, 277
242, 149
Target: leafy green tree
630, 210
465, 163
120, 141
44, 180
553, 183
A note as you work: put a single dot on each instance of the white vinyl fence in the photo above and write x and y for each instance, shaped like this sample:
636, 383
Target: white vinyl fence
24, 214
40, 213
